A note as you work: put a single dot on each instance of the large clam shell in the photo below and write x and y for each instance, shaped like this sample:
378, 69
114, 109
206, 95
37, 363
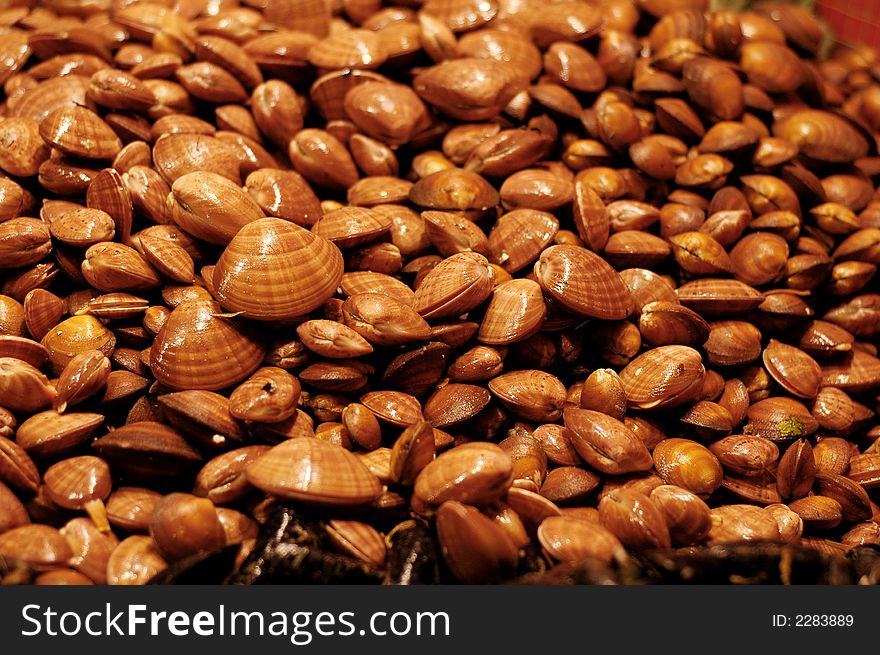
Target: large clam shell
822, 135
663, 377
276, 270
583, 283
314, 471
199, 349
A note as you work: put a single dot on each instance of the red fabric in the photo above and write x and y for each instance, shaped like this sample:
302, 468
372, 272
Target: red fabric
853, 21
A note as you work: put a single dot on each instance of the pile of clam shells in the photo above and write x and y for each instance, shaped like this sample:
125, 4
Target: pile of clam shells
552, 284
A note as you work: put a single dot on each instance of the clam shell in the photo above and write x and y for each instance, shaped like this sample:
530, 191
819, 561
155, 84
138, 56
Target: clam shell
80, 132
75, 335
583, 283
315, 472
568, 539
210, 206
454, 189
276, 270
383, 320
717, 297
534, 395
471, 473
515, 313
351, 226
518, 237
284, 194
149, 450
793, 369
198, 349
74, 482
822, 135
663, 377
454, 287
605, 443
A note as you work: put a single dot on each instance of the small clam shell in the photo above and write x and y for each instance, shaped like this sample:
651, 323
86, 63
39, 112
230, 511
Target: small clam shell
147, 450
583, 283
383, 320
284, 194
516, 312
75, 335
733, 524
518, 237
779, 419
822, 135
455, 403
473, 473
210, 206
453, 190
50, 434
273, 269
332, 339
269, 395
198, 349
666, 323
718, 297
455, 286
605, 443
793, 369
689, 465
476, 549
135, 561
354, 282
41, 546
17, 469
731, 343
23, 241
80, 132
351, 226
23, 147
73, 483
42, 311
83, 377
394, 407
355, 48
413, 451
568, 539
315, 472
534, 395
359, 540
663, 377
469, 89
175, 155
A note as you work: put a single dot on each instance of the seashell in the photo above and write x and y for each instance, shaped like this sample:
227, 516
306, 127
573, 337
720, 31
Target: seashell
606, 443
40, 546
662, 377
383, 320
328, 91
473, 473
199, 349
24, 149
418, 371
78, 482
455, 286
356, 48
358, 540
515, 312
534, 395
314, 472
779, 419
80, 132
321, 158
718, 297
24, 388
273, 269
858, 371
51, 95
475, 548
112, 266
687, 517
394, 407
454, 190
370, 282
392, 113
469, 89
347, 227
822, 135
759, 258
82, 378
519, 236
284, 194
583, 283
83, 227
269, 395
75, 335
49, 434
735, 523
568, 539
135, 561
210, 206
689, 465
793, 369
665, 323
175, 155
451, 233
700, 254
23, 241
332, 339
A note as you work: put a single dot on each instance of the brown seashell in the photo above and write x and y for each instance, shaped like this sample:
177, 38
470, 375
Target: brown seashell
793, 369
40, 546
717, 297
779, 419
75, 335
23, 241
822, 135
16, 467
473, 473
79, 483
147, 450
475, 548
455, 403
454, 190
351, 226
50, 434
568, 539
452, 234
854, 502
731, 343
689, 465
603, 392
817, 512
583, 283
745, 454
759, 258
332, 339
195, 330
733, 524
666, 376
454, 287
175, 155
183, 525
358, 540
80, 132
518, 237
323, 159
333, 476
383, 320
222, 479
534, 395
284, 194
605, 442
469, 89
515, 313
665, 323
116, 267
634, 519
23, 147
83, 377
356, 48
261, 273
687, 517
394, 407
392, 113
134, 561
569, 485
269, 395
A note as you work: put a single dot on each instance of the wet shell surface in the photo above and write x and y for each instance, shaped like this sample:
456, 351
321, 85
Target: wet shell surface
275, 270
